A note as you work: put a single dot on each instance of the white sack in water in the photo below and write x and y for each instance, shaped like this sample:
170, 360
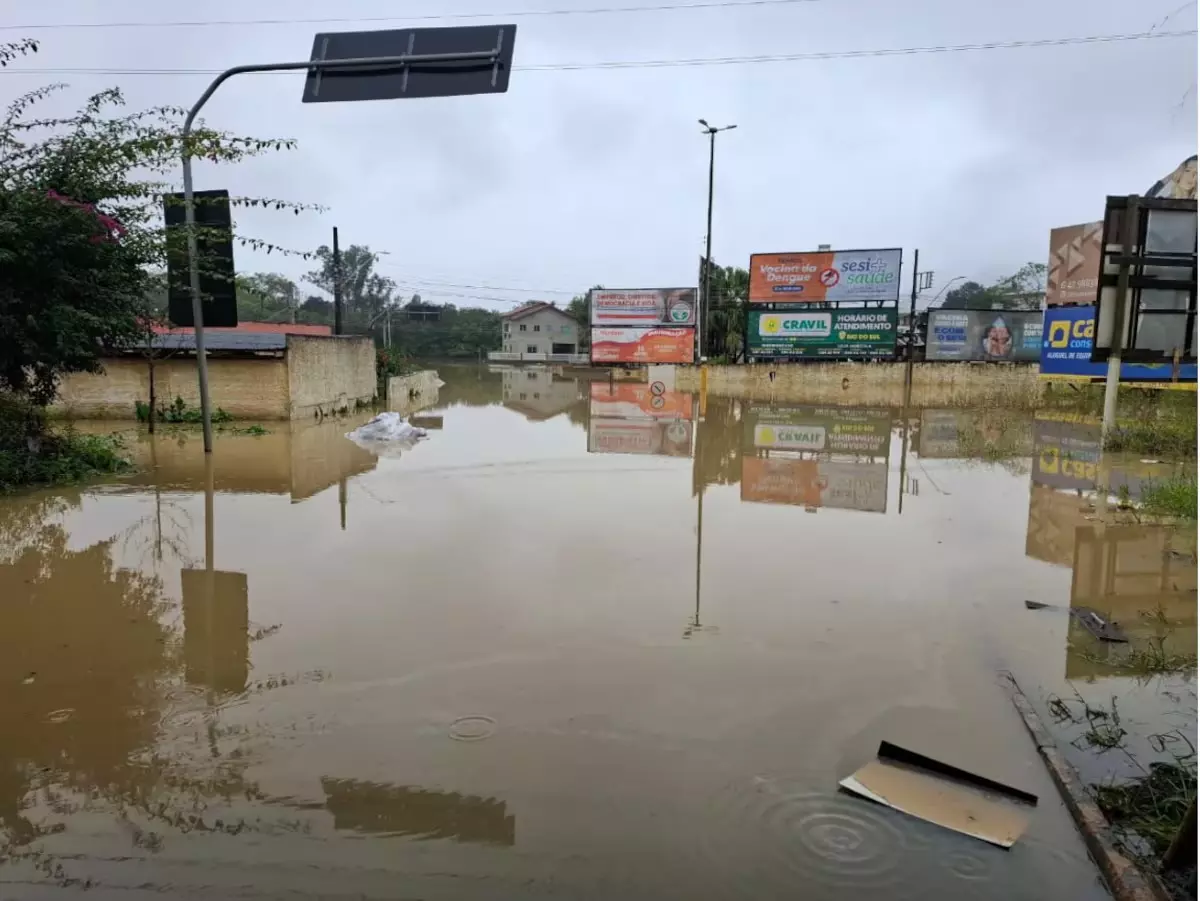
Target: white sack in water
386, 427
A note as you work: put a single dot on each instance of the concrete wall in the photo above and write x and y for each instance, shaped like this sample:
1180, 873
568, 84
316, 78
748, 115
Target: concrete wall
326, 375
406, 393
542, 330
246, 388
934, 384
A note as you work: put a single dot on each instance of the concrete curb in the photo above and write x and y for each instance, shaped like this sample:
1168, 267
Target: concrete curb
1121, 875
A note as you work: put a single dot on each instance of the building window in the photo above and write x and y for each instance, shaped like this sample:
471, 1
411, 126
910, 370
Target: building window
537, 328
522, 395
531, 376
537, 395
522, 326
507, 328
531, 348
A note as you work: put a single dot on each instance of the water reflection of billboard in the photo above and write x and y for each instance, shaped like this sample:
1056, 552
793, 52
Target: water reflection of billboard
668, 438
835, 430
1123, 572
984, 335
1065, 454
815, 483
637, 400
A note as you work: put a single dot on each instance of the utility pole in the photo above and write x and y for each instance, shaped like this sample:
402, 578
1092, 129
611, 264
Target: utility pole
337, 285
702, 318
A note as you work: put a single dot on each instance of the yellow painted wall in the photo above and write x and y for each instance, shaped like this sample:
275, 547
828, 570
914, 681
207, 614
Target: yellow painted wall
326, 374
247, 388
934, 384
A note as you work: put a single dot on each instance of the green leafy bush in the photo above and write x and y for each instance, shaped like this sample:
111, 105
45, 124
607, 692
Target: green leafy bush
31, 453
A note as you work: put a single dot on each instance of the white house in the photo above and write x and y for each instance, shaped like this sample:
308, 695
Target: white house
540, 328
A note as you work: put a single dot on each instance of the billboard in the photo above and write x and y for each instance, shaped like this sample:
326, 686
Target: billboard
823, 333
667, 437
825, 275
1073, 273
643, 345
812, 483
833, 430
1067, 339
214, 254
637, 400
644, 306
991, 336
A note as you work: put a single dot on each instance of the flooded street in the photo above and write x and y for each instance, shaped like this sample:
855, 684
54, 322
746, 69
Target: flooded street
582, 642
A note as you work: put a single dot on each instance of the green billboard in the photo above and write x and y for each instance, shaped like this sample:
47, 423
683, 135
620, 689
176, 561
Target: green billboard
823, 333
832, 430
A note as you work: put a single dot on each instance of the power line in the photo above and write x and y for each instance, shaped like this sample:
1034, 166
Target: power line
523, 13
704, 61
436, 282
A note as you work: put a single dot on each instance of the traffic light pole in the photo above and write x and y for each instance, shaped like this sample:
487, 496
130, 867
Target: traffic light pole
189, 207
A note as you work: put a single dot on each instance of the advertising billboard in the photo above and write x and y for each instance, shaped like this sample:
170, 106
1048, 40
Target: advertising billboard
825, 275
991, 336
643, 306
1067, 338
823, 333
1073, 273
831, 430
812, 483
668, 438
637, 400
643, 345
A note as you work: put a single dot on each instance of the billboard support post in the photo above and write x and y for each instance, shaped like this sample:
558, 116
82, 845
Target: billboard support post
1112, 382
912, 329
496, 56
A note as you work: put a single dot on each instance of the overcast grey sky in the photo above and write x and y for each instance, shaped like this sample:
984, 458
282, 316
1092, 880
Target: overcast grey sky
574, 178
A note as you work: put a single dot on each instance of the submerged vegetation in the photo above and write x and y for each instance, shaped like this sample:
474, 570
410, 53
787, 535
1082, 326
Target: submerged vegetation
31, 453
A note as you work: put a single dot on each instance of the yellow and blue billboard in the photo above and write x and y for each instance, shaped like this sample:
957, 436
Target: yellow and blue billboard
1067, 337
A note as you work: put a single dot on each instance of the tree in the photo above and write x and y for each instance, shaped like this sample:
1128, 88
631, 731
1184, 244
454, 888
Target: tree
580, 309
726, 310
81, 227
968, 296
1025, 289
365, 293
267, 297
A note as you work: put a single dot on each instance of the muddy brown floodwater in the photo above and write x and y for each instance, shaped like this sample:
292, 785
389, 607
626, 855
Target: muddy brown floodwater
579, 643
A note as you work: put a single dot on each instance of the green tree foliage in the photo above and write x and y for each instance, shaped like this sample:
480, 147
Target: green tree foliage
451, 333
365, 293
726, 320
267, 297
1023, 290
81, 227
580, 309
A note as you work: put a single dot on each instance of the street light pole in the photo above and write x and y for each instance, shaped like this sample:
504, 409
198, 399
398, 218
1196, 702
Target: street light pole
702, 319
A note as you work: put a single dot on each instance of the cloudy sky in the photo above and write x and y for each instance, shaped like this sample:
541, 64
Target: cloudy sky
583, 176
